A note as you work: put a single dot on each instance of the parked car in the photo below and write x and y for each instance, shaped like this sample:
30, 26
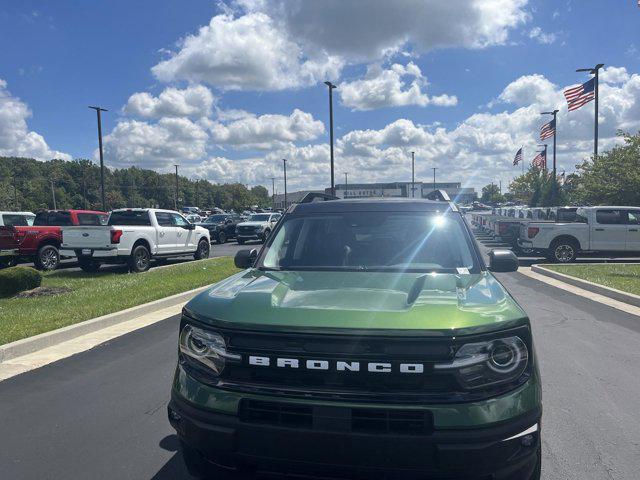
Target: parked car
222, 227
14, 219
194, 218
258, 227
607, 230
40, 242
136, 236
367, 339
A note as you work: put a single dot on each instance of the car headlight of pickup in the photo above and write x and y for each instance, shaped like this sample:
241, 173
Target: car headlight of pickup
202, 348
491, 362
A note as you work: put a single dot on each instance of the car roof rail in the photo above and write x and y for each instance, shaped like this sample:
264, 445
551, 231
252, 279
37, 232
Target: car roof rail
438, 196
317, 197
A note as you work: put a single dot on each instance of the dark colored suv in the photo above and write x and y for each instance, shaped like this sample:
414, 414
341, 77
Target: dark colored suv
222, 227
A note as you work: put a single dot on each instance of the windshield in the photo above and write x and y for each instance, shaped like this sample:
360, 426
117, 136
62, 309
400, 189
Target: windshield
215, 219
259, 218
387, 241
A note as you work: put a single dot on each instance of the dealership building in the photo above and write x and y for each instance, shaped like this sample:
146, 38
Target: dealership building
393, 189
404, 189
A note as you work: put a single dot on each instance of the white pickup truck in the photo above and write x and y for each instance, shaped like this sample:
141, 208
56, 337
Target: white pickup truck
607, 230
134, 236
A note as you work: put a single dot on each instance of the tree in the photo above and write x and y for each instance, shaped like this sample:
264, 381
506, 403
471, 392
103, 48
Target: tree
73, 180
536, 188
612, 178
491, 194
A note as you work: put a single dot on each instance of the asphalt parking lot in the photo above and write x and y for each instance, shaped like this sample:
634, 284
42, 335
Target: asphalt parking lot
101, 414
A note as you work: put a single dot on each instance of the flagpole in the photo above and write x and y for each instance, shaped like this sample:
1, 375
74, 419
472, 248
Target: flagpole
594, 71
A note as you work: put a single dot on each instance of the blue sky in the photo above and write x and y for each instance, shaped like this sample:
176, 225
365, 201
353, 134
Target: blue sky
65, 55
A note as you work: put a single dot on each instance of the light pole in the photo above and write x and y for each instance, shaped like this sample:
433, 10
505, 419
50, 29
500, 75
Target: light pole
594, 71
53, 195
413, 174
176, 201
331, 87
98, 112
434, 177
555, 132
15, 187
284, 166
273, 193
346, 183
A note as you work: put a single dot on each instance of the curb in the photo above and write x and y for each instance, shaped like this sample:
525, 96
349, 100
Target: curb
48, 339
609, 292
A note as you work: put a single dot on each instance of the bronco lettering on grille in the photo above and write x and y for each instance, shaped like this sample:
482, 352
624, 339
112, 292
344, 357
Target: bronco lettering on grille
338, 365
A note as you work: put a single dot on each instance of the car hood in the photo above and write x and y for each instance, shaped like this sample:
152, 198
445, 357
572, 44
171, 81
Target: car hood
438, 304
252, 224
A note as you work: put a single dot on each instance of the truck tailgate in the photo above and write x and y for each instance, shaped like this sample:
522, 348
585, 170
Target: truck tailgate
8, 238
86, 237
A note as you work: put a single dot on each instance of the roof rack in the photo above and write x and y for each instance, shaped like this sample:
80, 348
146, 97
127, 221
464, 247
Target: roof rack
438, 196
317, 197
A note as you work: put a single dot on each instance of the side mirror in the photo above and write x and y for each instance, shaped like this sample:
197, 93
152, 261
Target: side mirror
245, 258
190, 226
503, 261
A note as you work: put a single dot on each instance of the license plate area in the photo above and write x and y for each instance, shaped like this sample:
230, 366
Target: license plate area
87, 251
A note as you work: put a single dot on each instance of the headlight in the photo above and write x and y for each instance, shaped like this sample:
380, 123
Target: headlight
487, 363
205, 349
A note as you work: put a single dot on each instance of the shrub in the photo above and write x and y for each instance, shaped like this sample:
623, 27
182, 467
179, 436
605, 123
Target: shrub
18, 279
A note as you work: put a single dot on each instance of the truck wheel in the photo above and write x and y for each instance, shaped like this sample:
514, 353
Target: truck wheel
47, 258
203, 250
88, 265
140, 259
563, 251
200, 468
221, 238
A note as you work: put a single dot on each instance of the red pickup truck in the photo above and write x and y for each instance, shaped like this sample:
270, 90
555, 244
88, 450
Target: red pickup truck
40, 242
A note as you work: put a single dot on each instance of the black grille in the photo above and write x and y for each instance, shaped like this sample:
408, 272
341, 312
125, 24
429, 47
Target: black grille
247, 229
333, 383
329, 418
430, 386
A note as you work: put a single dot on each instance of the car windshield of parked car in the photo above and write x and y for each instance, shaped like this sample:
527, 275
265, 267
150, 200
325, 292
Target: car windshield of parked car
259, 218
215, 219
384, 241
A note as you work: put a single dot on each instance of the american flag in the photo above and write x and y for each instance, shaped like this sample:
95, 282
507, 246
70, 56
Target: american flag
580, 95
518, 158
548, 130
540, 160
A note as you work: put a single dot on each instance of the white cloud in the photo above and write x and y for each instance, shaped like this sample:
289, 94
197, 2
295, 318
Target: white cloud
249, 52
15, 137
169, 141
368, 32
529, 89
277, 44
397, 86
544, 38
193, 101
265, 131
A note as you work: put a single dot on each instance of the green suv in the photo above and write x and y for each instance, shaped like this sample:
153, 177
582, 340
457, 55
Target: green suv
366, 339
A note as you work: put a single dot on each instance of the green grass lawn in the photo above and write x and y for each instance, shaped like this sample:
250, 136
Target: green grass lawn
93, 295
625, 277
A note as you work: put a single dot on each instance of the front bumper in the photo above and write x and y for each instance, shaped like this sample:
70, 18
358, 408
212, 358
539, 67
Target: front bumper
505, 450
250, 236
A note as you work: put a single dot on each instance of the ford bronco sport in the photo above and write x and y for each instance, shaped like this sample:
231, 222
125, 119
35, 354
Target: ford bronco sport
366, 339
